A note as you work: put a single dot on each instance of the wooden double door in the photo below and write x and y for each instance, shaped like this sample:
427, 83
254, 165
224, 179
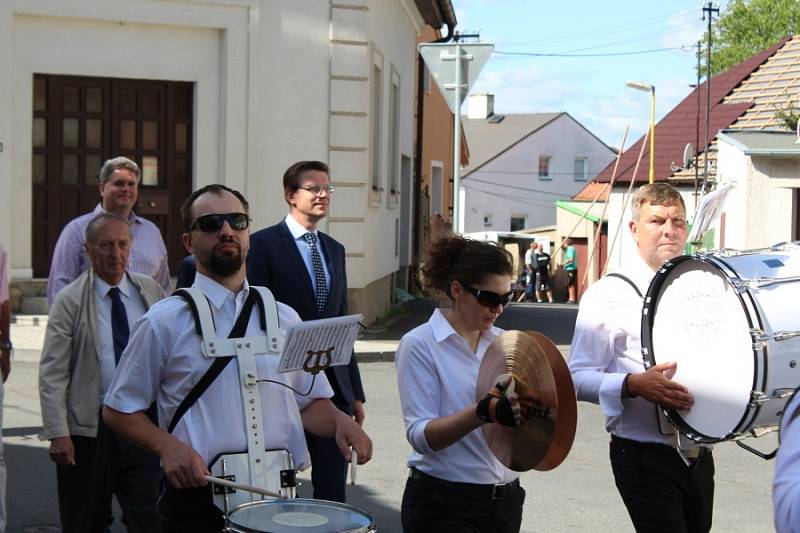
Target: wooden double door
79, 122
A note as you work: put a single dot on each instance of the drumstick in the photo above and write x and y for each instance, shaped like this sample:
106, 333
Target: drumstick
353, 463
240, 486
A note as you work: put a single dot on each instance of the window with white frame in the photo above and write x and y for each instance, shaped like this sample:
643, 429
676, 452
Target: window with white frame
517, 222
581, 169
544, 166
394, 140
376, 125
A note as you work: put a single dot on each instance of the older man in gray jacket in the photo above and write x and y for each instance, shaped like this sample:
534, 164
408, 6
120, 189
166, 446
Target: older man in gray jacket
87, 330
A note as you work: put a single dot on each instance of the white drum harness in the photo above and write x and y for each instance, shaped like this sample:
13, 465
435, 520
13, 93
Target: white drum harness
244, 349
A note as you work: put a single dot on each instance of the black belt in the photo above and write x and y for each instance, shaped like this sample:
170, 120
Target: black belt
497, 491
691, 453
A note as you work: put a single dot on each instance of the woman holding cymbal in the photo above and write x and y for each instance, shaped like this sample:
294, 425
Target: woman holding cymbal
455, 482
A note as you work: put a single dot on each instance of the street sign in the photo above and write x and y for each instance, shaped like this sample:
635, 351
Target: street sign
440, 58
455, 67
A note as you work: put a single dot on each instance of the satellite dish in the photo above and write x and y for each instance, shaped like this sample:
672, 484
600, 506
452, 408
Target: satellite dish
688, 156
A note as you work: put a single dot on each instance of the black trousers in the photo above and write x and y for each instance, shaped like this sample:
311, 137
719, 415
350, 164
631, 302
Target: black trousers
435, 505
189, 510
661, 493
105, 466
328, 466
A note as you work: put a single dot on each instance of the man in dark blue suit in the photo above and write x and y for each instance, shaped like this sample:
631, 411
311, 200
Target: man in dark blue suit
305, 269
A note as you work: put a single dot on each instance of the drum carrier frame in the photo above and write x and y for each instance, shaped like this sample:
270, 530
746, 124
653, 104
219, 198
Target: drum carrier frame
255, 464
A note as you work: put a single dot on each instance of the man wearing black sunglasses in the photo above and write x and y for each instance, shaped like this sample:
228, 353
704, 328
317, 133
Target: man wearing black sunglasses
164, 361
305, 269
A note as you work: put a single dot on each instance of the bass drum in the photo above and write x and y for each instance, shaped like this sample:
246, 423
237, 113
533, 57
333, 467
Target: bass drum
730, 321
299, 515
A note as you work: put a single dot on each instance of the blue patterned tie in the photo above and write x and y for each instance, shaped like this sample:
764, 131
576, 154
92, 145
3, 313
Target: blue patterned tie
319, 272
119, 323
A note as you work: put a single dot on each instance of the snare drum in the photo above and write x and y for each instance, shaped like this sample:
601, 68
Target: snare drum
731, 321
299, 515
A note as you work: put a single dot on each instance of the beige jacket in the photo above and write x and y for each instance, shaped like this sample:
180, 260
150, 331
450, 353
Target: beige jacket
69, 370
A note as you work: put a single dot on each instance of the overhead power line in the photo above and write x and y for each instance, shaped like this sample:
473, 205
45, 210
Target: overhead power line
610, 30
606, 54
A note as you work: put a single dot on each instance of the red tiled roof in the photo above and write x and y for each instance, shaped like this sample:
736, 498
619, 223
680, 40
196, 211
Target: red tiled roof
678, 127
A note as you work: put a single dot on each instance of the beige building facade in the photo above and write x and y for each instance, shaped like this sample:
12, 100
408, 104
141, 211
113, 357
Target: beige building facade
270, 82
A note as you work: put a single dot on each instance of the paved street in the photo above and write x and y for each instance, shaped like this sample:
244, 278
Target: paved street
578, 496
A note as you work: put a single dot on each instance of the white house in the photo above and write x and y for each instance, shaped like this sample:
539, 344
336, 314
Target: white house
521, 164
204, 91
762, 209
745, 100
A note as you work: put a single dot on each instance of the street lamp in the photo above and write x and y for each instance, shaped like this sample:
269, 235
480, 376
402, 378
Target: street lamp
646, 87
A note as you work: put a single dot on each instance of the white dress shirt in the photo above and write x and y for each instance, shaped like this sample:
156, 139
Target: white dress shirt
607, 345
297, 232
148, 253
786, 488
163, 362
437, 372
134, 309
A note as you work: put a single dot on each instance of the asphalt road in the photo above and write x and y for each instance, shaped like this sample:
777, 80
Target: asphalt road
577, 496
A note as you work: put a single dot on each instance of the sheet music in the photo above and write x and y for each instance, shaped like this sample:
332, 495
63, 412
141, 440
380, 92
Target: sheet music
333, 337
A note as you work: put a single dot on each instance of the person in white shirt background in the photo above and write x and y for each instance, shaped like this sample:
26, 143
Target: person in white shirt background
455, 482
660, 491
163, 360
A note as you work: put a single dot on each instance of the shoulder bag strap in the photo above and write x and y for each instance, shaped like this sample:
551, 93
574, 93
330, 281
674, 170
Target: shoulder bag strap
627, 280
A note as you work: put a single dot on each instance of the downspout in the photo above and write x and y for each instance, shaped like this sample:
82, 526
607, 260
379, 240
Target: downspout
416, 255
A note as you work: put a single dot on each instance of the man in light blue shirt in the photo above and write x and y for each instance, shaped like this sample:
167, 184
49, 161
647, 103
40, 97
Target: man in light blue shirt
119, 190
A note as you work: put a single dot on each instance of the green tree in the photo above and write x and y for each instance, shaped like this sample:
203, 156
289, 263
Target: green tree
746, 27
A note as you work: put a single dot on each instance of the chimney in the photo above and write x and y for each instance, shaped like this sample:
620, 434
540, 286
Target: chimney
481, 106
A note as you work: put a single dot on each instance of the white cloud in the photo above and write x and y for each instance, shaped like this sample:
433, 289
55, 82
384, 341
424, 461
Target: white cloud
684, 28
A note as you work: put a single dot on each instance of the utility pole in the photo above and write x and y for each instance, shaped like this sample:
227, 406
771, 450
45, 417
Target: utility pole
697, 127
711, 10
460, 84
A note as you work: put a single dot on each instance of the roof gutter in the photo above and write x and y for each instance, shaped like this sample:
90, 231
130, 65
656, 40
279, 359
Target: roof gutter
567, 206
445, 8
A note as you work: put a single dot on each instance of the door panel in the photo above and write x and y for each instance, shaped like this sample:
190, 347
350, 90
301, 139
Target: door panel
79, 122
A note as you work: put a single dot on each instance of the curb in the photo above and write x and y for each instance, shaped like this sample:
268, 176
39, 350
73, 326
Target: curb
375, 357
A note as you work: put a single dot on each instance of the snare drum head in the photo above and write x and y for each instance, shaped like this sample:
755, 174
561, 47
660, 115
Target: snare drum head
299, 515
700, 323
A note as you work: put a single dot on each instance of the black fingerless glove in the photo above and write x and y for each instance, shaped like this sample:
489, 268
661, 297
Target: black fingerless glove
502, 410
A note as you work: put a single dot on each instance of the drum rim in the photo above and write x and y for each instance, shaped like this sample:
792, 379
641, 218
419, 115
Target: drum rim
649, 308
369, 528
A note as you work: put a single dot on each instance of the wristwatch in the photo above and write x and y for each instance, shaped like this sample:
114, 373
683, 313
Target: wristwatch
6, 346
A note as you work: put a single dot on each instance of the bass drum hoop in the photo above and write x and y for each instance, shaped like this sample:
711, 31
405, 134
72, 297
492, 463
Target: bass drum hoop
233, 527
750, 309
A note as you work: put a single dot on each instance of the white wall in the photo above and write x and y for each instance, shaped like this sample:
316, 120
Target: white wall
264, 93
510, 184
115, 38
758, 212
363, 220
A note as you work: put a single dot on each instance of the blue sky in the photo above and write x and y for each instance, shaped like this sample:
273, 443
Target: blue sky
591, 89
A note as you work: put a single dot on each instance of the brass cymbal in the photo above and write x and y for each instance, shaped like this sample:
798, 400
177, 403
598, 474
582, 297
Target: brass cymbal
567, 410
519, 354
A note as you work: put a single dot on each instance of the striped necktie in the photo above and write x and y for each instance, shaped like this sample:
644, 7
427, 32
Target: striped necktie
319, 272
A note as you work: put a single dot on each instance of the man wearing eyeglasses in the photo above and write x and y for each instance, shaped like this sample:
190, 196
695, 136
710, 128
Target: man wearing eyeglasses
305, 269
164, 362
